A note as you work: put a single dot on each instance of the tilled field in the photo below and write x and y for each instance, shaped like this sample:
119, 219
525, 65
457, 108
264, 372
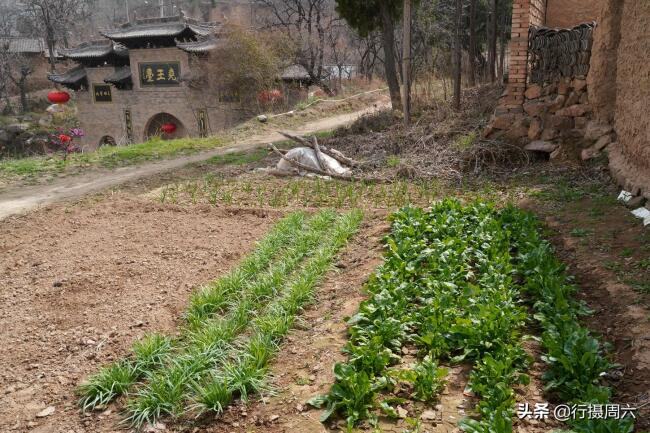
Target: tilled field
81, 283
87, 281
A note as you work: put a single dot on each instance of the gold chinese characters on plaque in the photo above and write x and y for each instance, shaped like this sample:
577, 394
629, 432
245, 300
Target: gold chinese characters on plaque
160, 74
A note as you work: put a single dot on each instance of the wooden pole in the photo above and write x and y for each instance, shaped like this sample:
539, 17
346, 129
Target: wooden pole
406, 63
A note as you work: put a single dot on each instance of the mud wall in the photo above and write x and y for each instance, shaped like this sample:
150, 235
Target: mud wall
633, 82
568, 13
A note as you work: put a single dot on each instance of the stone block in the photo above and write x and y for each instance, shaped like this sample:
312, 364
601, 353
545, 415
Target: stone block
557, 104
502, 121
563, 87
584, 98
596, 130
589, 153
581, 122
519, 129
579, 84
574, 98
535, 108
549, 134
549, 89
578, 110
541, 146
558, 122
533, 92
535, 129
603, 142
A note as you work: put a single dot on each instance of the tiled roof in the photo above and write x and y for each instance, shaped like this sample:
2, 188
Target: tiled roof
160, 27
203, 45
73, 76
120, 75
23, 45
95, 49
295, 72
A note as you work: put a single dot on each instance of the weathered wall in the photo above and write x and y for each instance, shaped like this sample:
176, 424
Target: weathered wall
603, 71
569, 13
632, 118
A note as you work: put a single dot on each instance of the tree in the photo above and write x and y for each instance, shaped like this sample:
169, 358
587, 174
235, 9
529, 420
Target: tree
458, 52
255, 61
366, 16
54, 20
472, 43
492, 40
17, 69
308, 23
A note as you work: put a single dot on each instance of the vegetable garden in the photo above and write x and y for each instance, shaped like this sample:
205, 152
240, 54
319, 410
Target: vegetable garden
460, 285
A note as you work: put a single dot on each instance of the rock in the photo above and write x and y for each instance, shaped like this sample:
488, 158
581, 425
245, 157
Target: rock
533, 92
603, 142
519, 129
589, 153
4, 136
401, 412
581, 122
596, 130
273, 418
549, 134
584, 98
563, 87
502, 122
577, 110
559, 122
17, 128
573, 99
541, 146
555, 154
550, 89
46, 412
428, 415
579, 84
557, 103
262, 118
57, 283
535, 129
535, 108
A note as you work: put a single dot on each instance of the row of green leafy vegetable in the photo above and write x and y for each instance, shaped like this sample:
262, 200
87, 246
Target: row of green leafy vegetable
233, 327
455, 283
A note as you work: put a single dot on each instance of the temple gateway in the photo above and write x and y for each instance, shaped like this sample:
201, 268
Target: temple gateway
131, 85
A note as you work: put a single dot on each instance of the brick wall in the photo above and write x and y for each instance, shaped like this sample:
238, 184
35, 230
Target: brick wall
524, 14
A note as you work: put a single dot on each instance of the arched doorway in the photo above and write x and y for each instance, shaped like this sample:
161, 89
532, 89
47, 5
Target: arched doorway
107, 140
156, 127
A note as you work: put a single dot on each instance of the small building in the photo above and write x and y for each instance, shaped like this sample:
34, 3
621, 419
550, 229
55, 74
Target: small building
33, 49
138, 78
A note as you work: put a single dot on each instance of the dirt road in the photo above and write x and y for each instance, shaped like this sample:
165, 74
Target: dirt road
23, 199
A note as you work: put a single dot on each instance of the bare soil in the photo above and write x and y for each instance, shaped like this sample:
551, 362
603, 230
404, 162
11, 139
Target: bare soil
81, 283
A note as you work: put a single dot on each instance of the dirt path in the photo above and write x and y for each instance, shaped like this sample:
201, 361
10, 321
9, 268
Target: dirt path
23, 199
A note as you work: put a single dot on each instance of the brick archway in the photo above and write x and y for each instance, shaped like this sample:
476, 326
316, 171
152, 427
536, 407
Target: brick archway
153, 127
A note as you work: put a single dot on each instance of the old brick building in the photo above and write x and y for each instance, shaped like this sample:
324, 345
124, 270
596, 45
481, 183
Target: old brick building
552, 100
130, 84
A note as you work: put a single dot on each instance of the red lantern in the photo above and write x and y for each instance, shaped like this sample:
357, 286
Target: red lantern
58, 97
168, 128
